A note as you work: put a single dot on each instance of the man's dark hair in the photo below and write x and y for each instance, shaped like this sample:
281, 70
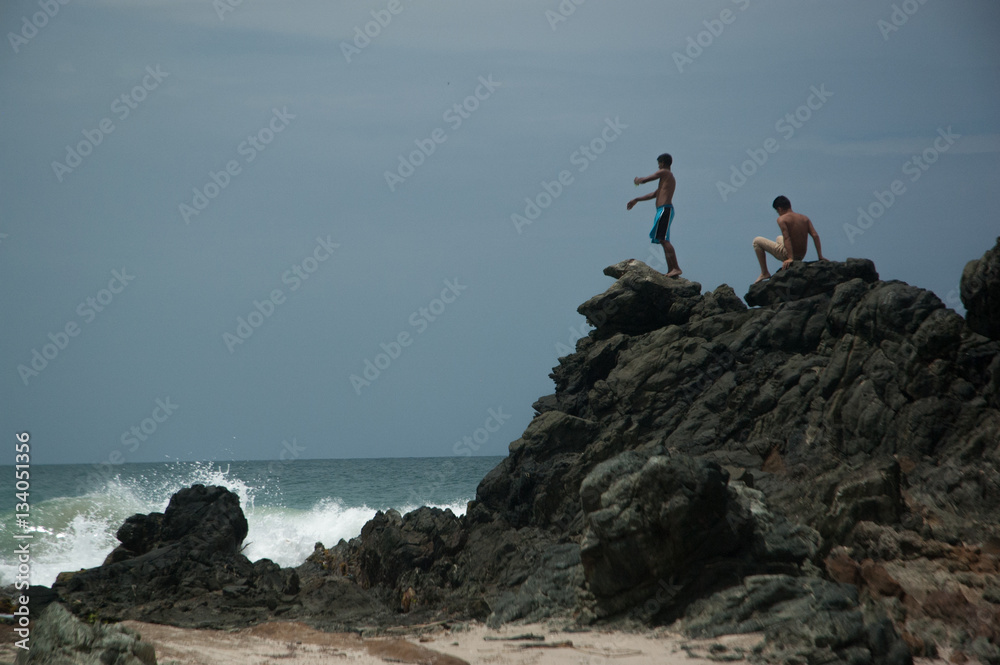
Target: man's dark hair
666, 159
782, 203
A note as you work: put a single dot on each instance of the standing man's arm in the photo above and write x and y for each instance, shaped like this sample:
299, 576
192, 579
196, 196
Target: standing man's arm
645, 197
638, 180
656, 176
815, 237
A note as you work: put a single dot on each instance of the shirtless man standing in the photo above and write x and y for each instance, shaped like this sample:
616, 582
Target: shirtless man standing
664, 196
794, 229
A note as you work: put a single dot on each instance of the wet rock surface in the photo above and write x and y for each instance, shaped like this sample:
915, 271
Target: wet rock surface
823, 467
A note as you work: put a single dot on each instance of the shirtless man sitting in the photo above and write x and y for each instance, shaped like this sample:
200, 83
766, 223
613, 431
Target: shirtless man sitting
794, 229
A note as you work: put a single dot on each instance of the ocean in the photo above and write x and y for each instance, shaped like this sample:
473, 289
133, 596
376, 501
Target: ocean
75, 510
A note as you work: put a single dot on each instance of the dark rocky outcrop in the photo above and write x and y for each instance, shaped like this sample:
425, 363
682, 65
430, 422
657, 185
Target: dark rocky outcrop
182, 566
641, 300
809, 279
823, 467
980, 292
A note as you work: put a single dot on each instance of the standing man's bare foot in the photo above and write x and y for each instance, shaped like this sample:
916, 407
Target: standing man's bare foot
674, 273
762, 277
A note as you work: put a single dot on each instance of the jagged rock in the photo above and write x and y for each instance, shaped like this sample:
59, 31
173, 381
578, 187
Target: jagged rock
640, 301
804, 620
391, 545
59, 638
552, 588
722, 300
803, 280
980, 292
775, 539
873, 496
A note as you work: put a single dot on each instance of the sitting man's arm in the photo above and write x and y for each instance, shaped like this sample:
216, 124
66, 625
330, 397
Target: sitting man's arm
815, 237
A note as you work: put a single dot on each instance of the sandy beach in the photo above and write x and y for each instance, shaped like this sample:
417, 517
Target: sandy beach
293, 642
474, 644
533, 644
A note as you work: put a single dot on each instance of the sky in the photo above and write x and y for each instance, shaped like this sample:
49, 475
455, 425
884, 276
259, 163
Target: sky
261, 229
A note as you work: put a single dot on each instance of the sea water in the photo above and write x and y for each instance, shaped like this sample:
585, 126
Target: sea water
75, 510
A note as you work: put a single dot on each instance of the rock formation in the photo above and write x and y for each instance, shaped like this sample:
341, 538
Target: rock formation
181, 567
823, 467
59, 638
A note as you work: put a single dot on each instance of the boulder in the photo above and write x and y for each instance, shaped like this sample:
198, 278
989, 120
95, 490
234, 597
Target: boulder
650, 519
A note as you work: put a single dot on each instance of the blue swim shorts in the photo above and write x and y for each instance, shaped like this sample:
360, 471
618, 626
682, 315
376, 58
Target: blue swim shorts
661, 224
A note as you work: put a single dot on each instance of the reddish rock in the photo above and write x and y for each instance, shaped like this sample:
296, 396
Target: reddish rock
918, 647
774, 463
842, 568
878, 579
948, 605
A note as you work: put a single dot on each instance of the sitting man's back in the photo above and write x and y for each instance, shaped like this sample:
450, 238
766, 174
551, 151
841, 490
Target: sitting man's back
793, 242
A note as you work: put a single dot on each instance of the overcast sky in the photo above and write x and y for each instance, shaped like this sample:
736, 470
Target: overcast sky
214, 215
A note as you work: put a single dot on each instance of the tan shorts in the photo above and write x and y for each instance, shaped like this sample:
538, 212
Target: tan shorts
775, 248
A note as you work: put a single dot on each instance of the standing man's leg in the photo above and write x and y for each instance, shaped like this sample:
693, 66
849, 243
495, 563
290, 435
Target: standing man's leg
661, 229
673, 270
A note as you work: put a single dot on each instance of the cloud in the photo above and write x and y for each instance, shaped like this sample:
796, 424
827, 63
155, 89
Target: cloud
897, 145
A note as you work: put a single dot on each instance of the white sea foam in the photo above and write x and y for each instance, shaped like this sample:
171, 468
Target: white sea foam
288, 536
